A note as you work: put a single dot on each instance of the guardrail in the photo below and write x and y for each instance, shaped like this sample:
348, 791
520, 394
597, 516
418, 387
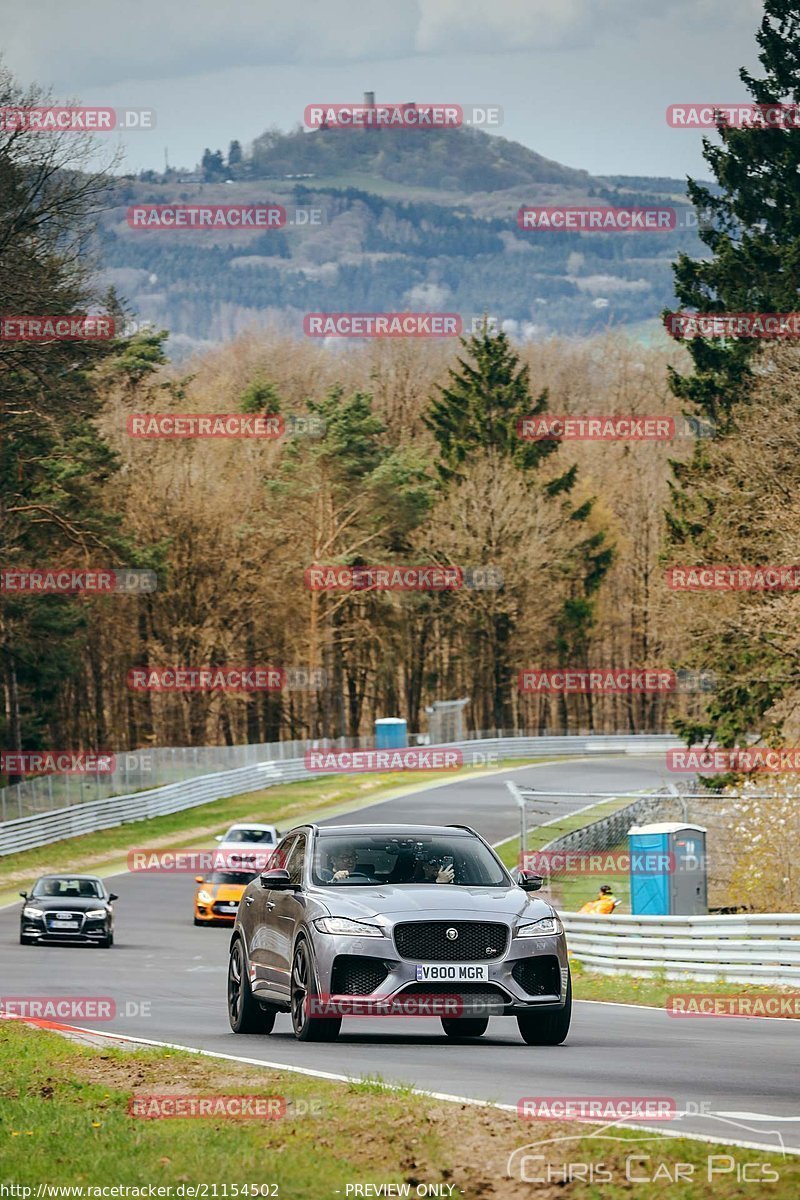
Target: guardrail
745, 948
40, 829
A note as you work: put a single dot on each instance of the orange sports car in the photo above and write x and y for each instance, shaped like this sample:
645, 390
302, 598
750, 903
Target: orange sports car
217, 896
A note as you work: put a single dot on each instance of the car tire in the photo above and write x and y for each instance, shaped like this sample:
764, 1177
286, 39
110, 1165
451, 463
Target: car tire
196, 922
27, 941
547, 1028
465, 1027
302, 988
245, 1014
107, 942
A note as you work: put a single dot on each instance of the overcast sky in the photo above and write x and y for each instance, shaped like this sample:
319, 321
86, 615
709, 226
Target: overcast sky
585, 82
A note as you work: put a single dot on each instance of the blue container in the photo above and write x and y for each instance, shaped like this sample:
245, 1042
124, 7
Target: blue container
668, 870
390, 733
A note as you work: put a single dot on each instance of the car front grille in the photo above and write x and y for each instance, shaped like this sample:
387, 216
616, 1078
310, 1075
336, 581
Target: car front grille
538, 976
428, 941
54, 923
356, 975
222, 908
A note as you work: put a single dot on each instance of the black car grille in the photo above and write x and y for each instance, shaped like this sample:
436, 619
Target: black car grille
55, 922
221, 906
427, 941
539, 976
354, 975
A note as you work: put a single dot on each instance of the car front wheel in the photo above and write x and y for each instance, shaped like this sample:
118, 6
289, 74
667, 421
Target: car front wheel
307, 1026
547, 1028
245, 1014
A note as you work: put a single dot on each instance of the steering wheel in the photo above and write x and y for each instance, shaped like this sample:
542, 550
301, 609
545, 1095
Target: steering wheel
352, 875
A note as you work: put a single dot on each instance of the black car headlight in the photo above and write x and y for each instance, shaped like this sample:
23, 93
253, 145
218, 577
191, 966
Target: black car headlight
32, 913
96, 914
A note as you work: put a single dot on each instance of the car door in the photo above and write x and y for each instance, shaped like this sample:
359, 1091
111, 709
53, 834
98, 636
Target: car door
289, 909
256, 912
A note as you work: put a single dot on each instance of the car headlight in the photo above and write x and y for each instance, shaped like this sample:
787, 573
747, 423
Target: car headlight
546, 927
95, 914
31, 912
345, 925
205, 897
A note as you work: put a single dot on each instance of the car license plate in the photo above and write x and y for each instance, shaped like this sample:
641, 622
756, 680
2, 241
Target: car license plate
227, 908
67, 925
452, 973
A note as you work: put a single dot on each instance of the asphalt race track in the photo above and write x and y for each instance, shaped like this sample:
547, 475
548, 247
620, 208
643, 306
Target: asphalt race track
167, 979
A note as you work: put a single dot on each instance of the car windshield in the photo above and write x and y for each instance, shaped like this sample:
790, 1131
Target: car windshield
363, 859
53, 885
232, 877
249, 835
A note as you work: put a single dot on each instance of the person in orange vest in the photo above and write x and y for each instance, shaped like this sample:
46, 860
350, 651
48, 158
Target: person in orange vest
605, 902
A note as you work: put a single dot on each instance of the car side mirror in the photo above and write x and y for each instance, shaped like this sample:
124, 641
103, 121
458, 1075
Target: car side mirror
277, 880
113, 896
219, 837
198, 878
530, 882
24, 895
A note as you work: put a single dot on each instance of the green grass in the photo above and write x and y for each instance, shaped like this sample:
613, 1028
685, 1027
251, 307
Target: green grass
284, 804
64, 1121
654, 990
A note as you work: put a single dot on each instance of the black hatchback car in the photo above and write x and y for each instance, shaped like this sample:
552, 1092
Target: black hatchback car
67, 908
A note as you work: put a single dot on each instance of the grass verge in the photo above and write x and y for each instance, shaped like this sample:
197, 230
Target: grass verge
654, 989
64, 1120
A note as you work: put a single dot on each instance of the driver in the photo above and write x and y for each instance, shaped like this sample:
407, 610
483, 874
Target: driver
343, 862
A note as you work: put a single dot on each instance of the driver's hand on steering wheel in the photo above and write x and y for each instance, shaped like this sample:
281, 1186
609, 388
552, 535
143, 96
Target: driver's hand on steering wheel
446, 874
341, 874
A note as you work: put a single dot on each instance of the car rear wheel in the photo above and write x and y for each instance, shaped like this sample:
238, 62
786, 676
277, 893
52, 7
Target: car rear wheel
245, 1014
547, 1028
465, 1027
308, 1027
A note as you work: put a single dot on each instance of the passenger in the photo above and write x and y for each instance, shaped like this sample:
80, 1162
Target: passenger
432, 869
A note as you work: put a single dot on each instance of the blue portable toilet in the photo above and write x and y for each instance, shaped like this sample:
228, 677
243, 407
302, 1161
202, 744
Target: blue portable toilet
390, 733
668, 870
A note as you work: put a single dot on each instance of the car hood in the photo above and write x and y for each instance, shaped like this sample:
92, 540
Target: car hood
66, 903
436, 901
224, 891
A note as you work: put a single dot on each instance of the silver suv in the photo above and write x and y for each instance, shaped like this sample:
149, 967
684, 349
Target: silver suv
396, 919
